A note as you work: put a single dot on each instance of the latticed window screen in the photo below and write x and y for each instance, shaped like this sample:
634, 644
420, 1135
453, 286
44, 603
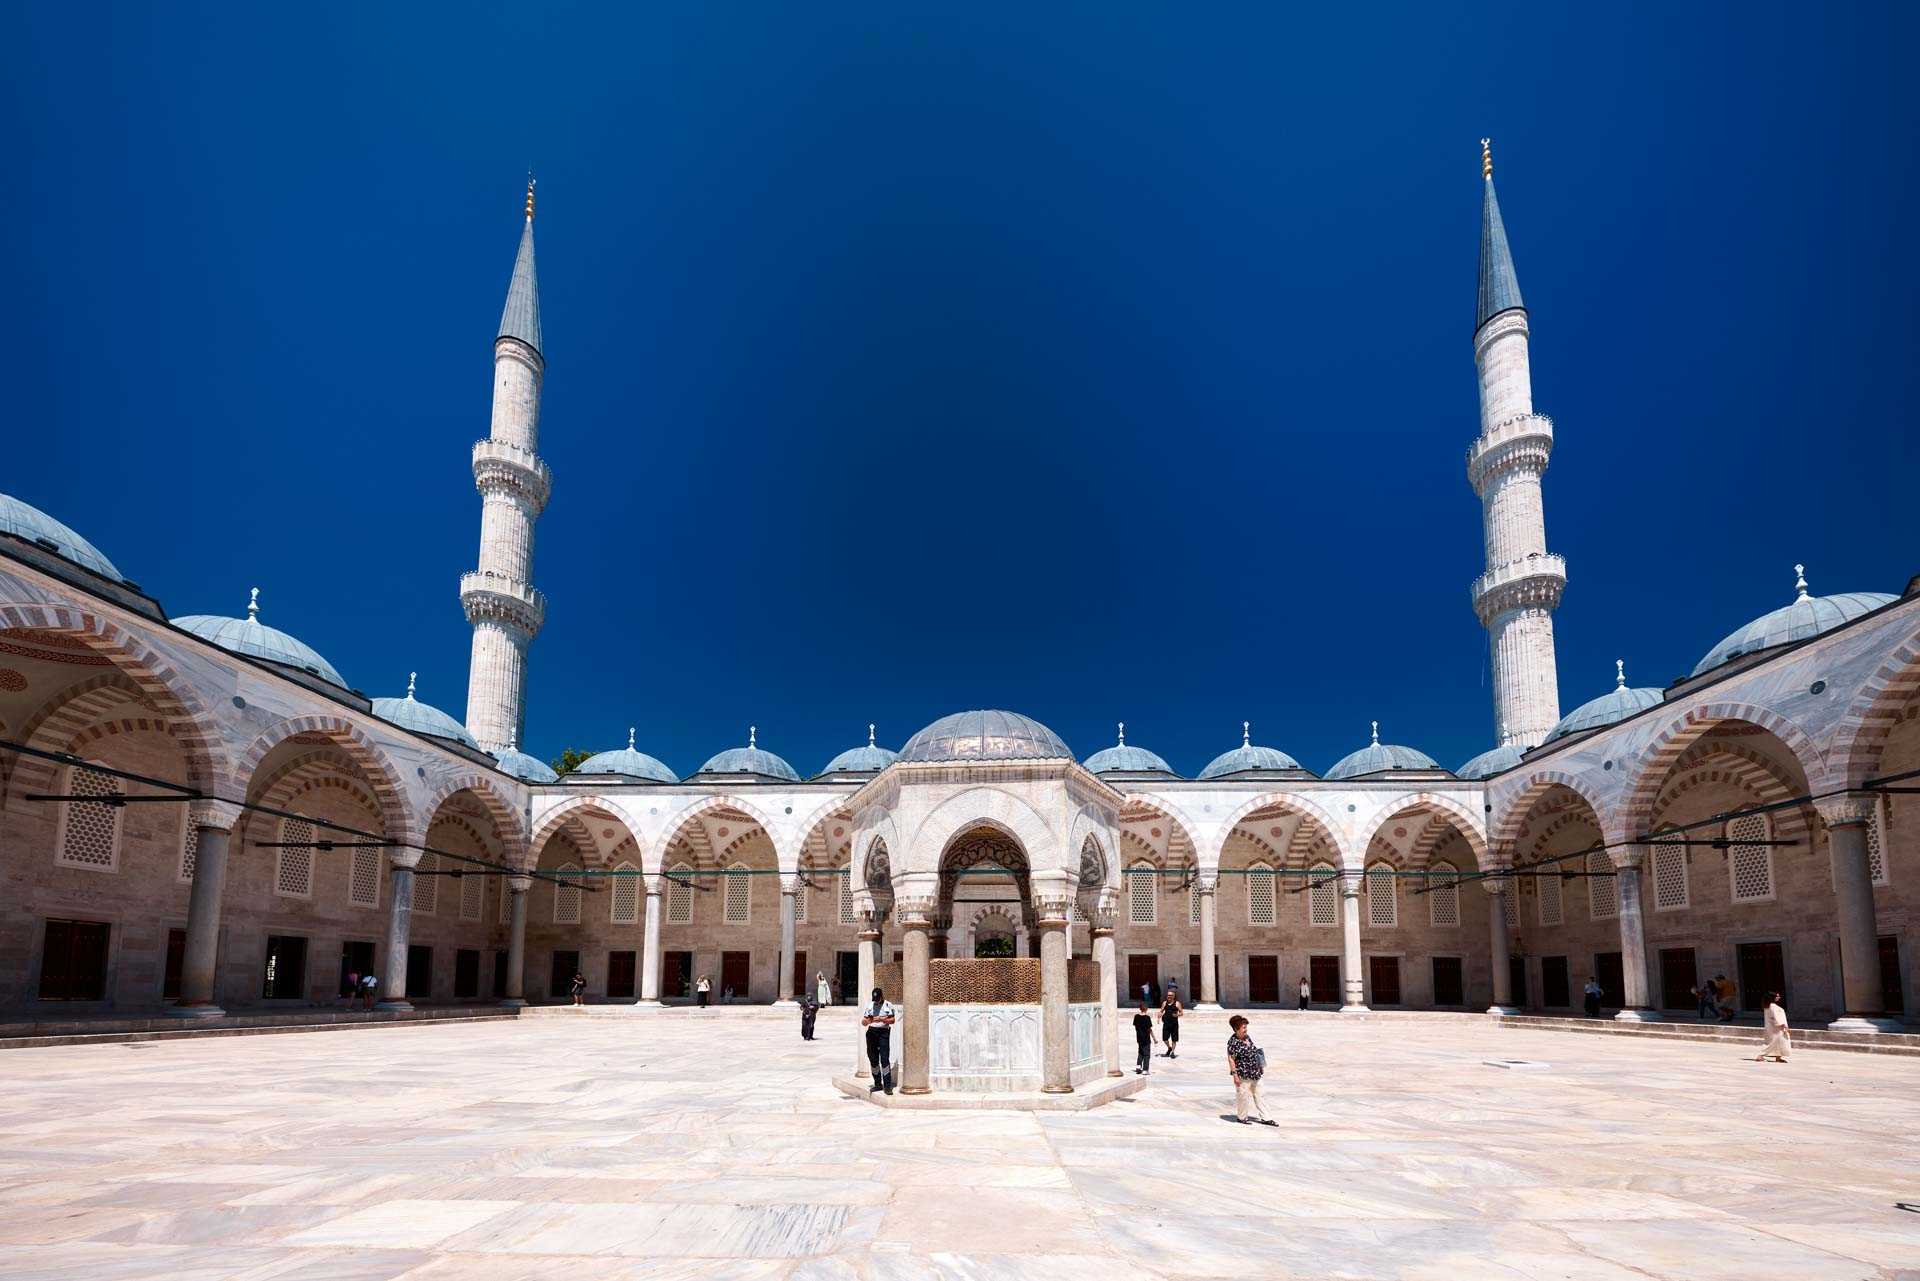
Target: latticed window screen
1552, 889
1323, 900
1876, 846
846, 898
1443, 895
680, 895
426, 889
1383, 896
473, 895
363, 879
739, 895
189, 851
626, 895
91, 838
1669, 876
566, 896
1511, 910
1142, 895
1260, 895
1750, 866
800, 901
1603, 892
506, 902
293, 861
1193, 901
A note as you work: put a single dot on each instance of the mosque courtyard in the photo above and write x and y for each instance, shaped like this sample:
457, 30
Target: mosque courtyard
678, 1144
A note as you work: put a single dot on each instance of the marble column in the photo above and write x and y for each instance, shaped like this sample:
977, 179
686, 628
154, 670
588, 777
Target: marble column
868, 957
393, 987
517, 887
1209, 996
789, 894
652, 958
1633, 937
916, 916
1104, 913
1056, 1047
199, 968
1352, 980
1863, 999
1497, 892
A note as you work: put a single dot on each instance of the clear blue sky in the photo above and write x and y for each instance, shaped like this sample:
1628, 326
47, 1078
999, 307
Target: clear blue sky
1104, 362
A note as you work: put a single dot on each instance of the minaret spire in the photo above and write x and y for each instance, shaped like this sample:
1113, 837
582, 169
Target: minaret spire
1499, 286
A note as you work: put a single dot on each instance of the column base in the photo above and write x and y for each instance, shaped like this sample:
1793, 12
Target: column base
1639, 1014
645, 1004
913, 1089
1115, 1072
1056, 1089
1207, 1007
512, 1003
786, 1000
1356, 1009
1866, 1024
402, 1006
206, 1011
1503, 1011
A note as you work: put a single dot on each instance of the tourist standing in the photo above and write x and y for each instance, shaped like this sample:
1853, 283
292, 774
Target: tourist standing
1593, 993
809, 1010
1706, 1005
1306, 993
350, 988
1723, 991
878, 1021
579, 988
1246, 1064
703, 991
369, 986
1779, 1035
1170, 1021
1143, 1033
822, 994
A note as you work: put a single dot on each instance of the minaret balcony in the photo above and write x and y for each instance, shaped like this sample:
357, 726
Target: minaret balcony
500, 465
496, 598
1533, 582
1524, 440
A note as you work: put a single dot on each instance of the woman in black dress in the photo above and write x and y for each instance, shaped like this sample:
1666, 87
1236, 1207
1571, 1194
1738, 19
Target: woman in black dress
1170, 1023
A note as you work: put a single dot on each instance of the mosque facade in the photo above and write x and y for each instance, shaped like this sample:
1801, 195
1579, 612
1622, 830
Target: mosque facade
200, 814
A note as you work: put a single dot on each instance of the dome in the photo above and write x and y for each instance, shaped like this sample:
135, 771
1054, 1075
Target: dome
869, 758
750, 760
421, 718
528, 769
1489, 763
252, 637
634, 764
985, 736
1616, 704
1121, 759
34, 525
1247, 758
1378, 757
1808, 616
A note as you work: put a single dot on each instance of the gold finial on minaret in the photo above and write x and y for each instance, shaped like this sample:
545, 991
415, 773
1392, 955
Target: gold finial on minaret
1486, 169
529, 195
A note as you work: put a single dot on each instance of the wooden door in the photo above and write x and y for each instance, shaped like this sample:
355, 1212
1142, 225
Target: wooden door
1449, 987
1613, 979
803, 983
284, 977
1762, 969
1892, 997
356, 957
736, 970
1383, 972
466, 973
1555, 992
675, 973
420, 972
500, 974
1678, 977
1517, 980
176, 961
1263, 980
847, 968
73, 964
566, 964
1142, 971
620, 974
1323, 980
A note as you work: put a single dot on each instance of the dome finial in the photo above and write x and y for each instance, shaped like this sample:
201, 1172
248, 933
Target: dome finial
630, 738
1376, 733
1800, 581
753, 733
411, 677
253, 606
1246, 733
513, 740
1620, 673
869, 733
530, 181
1486, 161
1123, 733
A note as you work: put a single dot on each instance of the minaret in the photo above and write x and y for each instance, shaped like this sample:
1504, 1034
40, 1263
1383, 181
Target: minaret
501, 602
1516, 597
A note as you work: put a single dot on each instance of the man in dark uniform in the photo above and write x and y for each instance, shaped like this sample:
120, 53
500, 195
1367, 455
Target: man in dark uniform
809, 1010
878, 1019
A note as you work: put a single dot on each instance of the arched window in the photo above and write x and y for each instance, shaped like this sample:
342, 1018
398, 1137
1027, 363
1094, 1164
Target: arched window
680, 895
1323, 900
1750, 865
1443, 895
1143, 895
426, 889
626, 894
1260, 895
1670, 889
473, 894
1383, 896
90, 834
566, 896
845, 878
1551, 887
739, 895
1603, 892
293, 861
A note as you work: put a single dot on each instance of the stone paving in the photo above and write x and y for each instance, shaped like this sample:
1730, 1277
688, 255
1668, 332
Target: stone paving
677, 1144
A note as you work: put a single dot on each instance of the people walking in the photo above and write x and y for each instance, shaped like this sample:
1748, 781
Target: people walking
1779, 1035
1170, 1021
878, 1019
703, 991
1246, 1064
350, 988
1306, 993
809, 1011
1143, 1033
579, 988
369, 987
1593, 992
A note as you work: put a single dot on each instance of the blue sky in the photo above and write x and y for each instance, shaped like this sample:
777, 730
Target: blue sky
1098, 362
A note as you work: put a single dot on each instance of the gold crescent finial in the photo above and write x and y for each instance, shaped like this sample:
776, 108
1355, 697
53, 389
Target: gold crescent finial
530, 181
1486, 163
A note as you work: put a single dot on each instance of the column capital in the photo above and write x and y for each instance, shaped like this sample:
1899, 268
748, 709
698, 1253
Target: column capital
1497, 884
1350, 883
1206, 884
1052, 909
401, 857
519, 884
789, 885
1845, 811
1628, 858
223, 815
915, 912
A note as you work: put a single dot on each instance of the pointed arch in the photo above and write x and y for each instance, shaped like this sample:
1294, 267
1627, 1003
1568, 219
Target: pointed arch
1861, 736
367, 755
1334, 831
1520, 803
1656, 762
500, 807
1470, 825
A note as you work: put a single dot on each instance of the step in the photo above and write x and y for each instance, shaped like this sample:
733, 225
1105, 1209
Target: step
1903, 1044
33, 1035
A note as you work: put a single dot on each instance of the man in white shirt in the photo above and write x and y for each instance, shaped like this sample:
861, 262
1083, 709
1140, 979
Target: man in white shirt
877, 1018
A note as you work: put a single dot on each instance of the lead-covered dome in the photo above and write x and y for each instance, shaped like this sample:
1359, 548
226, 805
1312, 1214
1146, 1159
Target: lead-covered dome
254, 638
528, 769
1250, 760
33, 525
1123, 759
750, 760
421, 718
985, 736
1616, 704
1494, 761
628, 761
1378, 758
868, 758
1808, 616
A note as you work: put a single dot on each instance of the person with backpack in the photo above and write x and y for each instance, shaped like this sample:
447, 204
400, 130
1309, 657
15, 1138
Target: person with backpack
369, 986
1246, 1064
878, 1019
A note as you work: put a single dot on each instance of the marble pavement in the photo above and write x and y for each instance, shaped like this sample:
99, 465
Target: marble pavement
676, 1144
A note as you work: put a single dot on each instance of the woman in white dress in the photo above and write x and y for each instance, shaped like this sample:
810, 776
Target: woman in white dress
1779, 1036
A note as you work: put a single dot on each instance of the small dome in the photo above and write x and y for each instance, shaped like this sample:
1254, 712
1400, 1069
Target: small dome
869, 758
750, 760
1378, 757
1808, 616
528, 769
1249, 759
421, 718
628, 761
252, 637
985, 736
1616, 704
1489, 763
34, 525
1122, 759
